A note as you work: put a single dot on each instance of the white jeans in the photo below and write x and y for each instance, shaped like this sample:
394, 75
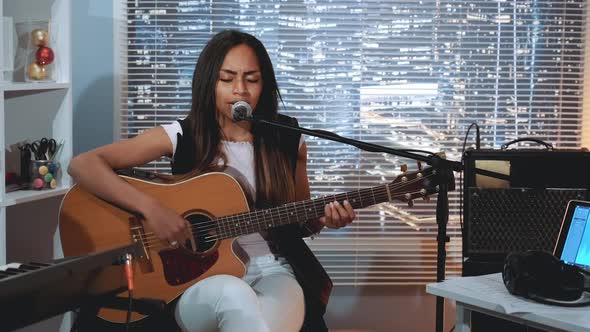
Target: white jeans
267, 299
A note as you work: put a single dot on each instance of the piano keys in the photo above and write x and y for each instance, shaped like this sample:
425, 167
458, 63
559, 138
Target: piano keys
12, 269
31, 292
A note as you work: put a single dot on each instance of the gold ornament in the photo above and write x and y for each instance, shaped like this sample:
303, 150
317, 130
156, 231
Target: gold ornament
43, 170
37, 72
40, 37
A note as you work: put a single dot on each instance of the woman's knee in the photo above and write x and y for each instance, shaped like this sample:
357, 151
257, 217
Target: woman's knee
218, 289
210, 299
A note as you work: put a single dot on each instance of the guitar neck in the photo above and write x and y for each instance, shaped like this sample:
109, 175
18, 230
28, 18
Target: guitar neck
297, 212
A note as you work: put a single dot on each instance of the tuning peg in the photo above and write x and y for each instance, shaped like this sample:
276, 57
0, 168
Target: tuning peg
419, 165
410, 203
404, 168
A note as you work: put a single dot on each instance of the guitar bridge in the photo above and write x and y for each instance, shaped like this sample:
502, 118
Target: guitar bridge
138, 236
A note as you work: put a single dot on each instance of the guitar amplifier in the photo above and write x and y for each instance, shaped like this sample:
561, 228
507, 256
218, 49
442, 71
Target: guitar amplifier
524, 209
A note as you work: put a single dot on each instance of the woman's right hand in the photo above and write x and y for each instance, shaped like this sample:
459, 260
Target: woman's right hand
169, 226
93, 170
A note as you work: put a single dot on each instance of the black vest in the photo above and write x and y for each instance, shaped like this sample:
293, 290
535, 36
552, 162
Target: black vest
287, 240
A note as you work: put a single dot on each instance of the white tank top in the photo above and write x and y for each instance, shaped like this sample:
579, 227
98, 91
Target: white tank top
240, 155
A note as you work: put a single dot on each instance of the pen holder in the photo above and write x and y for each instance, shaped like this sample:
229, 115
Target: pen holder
45, 174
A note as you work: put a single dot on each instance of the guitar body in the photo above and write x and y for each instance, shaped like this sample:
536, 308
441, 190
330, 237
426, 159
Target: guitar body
88, 224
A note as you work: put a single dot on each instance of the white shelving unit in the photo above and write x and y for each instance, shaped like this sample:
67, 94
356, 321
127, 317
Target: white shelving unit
26, 86
32, 110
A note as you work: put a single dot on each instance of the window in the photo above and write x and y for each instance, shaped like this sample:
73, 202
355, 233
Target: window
410, 74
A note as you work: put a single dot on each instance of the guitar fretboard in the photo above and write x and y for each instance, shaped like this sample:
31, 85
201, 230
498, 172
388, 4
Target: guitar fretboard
298, 212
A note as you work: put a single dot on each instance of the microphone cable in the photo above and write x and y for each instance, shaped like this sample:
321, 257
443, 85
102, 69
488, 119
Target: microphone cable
130, 286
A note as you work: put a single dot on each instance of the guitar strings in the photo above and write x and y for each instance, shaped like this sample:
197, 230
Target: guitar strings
149, 238
212, 224
225, 220
378, 193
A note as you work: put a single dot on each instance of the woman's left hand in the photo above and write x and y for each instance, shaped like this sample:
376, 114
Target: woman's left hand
338, 215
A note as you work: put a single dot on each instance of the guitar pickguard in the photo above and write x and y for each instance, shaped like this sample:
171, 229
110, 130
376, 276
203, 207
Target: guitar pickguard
181, 266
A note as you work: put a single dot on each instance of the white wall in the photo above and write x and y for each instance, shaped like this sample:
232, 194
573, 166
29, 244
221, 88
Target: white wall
92, 73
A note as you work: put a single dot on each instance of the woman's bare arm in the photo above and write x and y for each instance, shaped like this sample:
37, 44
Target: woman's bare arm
94, 171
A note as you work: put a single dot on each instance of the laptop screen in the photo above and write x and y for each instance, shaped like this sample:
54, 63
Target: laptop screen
573, 242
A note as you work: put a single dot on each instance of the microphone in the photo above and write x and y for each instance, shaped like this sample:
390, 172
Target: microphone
241, 111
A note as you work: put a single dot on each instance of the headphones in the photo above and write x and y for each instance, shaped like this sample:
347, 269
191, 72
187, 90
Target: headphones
540, 276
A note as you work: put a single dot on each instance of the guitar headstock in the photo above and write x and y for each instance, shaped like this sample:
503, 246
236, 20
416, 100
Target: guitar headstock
418, 184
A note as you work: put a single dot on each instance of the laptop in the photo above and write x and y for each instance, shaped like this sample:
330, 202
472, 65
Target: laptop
573, 241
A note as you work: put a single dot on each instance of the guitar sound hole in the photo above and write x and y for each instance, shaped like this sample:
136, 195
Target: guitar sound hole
204, 231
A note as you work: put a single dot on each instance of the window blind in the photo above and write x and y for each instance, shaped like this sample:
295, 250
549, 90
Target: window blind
403, 74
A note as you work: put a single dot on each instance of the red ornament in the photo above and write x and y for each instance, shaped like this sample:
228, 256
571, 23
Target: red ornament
44, 55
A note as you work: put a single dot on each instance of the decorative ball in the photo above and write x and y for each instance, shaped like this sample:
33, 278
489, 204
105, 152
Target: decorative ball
52, 167
39, 37
38, 183
44, 55
36, 72
43, 170
48, 177
53, 184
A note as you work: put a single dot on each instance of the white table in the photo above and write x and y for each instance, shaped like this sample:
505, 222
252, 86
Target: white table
487, 294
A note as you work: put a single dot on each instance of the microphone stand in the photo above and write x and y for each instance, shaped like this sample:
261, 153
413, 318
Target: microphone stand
444, 171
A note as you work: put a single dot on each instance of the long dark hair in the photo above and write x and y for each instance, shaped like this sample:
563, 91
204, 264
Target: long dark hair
274, 174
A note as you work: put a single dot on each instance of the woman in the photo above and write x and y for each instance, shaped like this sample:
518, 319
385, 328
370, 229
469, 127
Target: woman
283, 278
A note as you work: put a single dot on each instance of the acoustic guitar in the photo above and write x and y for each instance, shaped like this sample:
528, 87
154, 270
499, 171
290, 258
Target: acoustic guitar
217, 209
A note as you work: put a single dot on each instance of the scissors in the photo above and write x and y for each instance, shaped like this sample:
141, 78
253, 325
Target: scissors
44, 148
